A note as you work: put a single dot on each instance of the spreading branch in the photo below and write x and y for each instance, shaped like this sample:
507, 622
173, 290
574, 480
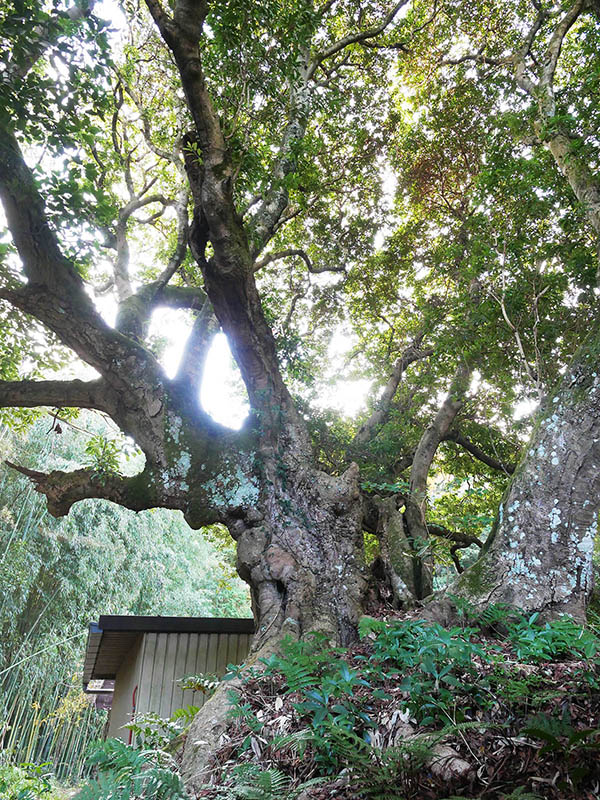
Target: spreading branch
459, 538
64, 489
478, 453
269, 214
56, 394
379, 416
460, 542
355, 38
55, 293
295, 252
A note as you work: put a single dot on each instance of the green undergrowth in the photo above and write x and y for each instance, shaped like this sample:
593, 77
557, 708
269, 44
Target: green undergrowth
27, 781
517, 700
495, 708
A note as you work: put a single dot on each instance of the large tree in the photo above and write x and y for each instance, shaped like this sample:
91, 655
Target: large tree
227, 162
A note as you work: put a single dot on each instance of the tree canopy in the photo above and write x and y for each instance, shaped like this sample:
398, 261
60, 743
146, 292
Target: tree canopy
412, 186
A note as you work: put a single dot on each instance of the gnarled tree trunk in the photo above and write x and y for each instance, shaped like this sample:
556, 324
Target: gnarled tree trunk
301, 551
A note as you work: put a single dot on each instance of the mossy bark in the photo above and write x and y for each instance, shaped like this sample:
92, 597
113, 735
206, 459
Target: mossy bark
397, 553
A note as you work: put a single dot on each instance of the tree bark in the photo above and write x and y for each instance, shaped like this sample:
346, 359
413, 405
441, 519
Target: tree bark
564, 147
415, 523
301, 551
396, 551
539, 556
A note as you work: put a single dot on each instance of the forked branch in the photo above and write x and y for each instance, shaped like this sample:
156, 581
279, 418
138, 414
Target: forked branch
381, 412
63, 489
355, 38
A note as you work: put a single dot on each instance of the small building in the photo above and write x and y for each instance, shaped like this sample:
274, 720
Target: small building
146, 656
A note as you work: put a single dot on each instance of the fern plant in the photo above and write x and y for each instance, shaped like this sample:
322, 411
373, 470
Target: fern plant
250, 782
132, 773
303, 663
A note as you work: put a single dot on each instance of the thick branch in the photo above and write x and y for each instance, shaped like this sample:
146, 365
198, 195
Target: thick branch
478, 453
193, 360
436, 431
190, 297
134, 313
43, 261
85, 332
565, 148
56, 394
228, 275
423, 458
64, 489
269, 214
460, 539
181, 35
55, 293
404, 462
519, 58
163, 483
556, 41
368, 429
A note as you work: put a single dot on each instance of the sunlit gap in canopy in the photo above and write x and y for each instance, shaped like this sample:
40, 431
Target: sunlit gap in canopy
222, 394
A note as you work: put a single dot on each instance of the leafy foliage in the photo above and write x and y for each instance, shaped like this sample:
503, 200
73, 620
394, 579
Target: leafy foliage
560, 638
373, 720
103, 455
26, 782
129, 773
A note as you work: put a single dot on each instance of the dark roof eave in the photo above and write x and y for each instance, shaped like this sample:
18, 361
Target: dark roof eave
124, 631
175, 624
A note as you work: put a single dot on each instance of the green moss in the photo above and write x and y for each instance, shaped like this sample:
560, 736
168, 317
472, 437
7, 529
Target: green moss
141, 492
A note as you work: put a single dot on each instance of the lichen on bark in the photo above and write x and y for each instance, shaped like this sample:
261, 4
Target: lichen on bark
539, 557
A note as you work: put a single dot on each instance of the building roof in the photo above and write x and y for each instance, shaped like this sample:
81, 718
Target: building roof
112, 637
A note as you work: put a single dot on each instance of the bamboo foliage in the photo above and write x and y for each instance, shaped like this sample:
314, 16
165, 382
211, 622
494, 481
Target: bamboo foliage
48, 719
56, 576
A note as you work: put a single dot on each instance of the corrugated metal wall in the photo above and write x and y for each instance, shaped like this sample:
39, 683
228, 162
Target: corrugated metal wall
160, 660
128, 677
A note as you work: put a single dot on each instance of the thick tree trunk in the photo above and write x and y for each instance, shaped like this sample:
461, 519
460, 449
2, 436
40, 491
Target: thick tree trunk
397, 553
539, 557
301, 551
